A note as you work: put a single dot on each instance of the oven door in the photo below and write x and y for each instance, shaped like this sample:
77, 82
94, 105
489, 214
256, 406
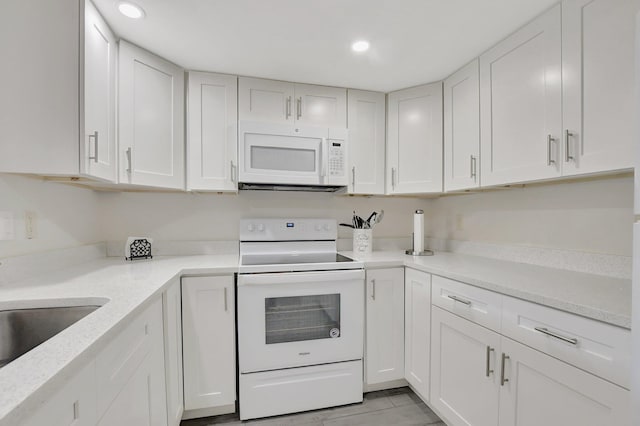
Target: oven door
299, 318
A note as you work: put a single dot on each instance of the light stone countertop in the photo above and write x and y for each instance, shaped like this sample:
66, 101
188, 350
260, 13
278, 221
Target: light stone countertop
598, 297
129, 287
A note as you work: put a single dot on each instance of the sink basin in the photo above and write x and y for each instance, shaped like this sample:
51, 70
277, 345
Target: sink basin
23, 329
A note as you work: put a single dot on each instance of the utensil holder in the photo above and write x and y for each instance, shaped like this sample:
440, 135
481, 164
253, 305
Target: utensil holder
362, 241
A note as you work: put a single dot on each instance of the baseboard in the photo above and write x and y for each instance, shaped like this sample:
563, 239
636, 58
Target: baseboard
400, 383
208, 412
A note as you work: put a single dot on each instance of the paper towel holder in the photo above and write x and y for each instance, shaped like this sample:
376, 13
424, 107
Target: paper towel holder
417, 253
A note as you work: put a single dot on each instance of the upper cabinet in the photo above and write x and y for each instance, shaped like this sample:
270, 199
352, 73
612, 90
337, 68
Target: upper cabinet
414, 140
98, 147
598, 79
288, 103
462, 129
57, 109
521, 100
212, 132
366, 123
151, 119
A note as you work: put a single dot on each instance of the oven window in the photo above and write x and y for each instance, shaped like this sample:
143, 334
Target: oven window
294, 319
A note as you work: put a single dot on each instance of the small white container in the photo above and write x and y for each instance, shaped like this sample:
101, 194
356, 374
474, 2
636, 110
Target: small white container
362, 241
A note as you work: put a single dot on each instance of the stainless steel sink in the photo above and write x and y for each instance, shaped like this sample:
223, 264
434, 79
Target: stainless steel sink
23, 329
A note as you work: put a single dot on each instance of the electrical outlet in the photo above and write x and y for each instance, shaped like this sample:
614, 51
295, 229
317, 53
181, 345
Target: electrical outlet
7, 227
30, 225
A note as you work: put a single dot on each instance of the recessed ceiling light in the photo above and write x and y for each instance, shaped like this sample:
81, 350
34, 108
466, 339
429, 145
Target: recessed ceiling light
130, 10
360, 46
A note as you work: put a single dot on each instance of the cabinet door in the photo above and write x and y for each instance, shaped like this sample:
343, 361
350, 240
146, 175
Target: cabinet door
598, 76
265, 100
417, 330
320, 106
151, 119
414, 150
212, 132
172, 309
208, 320
464, 374
366, 144
521, 101
98, 147
74, 404
384, 355
540, 390
462, 129
142, 399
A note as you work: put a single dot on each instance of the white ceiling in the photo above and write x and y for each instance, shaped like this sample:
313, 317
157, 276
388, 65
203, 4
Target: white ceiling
412, 41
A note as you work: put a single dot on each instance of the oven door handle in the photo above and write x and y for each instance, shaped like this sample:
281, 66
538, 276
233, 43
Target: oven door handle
299, 277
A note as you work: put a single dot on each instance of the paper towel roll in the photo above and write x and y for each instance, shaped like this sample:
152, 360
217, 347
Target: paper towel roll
418, 231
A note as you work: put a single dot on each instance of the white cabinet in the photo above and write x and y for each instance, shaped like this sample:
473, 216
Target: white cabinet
151, 119
417, 330
98, 148
74, 404
58, 97
172, 313
366, 124
521, 100
384, 353
212, 132
208, 320
598, 79
540, 390
288, 103
130, 373
414, 140
462, 129
464, 374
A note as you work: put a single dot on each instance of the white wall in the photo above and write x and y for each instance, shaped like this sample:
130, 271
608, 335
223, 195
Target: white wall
180, 216
66, 216
592, 216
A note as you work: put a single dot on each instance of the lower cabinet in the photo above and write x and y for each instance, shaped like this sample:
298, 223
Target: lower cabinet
172, 309
481, 378
417, 330
384, 354
208, 321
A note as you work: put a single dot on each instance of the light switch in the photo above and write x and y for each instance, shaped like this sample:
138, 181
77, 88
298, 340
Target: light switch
7, 226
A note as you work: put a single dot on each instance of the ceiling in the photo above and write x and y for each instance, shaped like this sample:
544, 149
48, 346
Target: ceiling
309, 41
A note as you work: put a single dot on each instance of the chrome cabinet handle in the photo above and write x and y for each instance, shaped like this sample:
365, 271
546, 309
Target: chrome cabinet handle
288, 109
567, 155
489, 371
546, 331
226, 304
353, 177
94, 136
373, 290
393, 177
298, 108
473, 166
458, 299
129, 169
233, 172
550, 140
503, 379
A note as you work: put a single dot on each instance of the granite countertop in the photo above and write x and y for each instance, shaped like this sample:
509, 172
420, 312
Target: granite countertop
125, 289
598, 297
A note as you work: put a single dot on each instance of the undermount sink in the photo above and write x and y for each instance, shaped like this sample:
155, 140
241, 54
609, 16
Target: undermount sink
23, 329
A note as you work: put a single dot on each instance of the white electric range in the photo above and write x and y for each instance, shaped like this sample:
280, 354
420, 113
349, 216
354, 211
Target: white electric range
300, 318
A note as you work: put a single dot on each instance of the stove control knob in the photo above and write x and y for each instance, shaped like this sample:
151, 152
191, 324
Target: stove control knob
250, 227
260, 227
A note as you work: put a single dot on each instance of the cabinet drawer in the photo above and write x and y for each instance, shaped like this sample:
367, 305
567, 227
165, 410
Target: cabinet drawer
602, 349
123, 355
476, 304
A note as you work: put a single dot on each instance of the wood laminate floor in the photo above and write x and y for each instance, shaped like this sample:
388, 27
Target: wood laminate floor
384, 408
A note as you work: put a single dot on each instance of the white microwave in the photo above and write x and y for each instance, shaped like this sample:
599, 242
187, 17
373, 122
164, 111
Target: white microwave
278, 154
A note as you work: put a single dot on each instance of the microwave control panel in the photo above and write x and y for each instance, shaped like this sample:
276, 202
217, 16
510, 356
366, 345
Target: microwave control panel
336, 158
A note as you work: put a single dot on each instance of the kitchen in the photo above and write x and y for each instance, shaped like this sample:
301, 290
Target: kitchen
237, 159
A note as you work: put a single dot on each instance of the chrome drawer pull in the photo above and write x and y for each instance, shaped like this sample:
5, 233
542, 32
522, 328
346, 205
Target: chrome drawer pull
489, 370
546, 331
458, 299
503, 379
